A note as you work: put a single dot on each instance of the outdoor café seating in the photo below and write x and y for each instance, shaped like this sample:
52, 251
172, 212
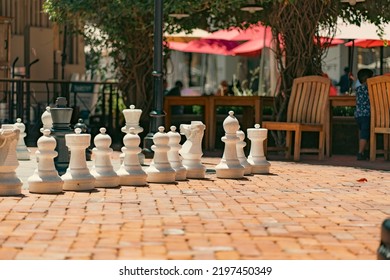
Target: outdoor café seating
307, 112
379, 94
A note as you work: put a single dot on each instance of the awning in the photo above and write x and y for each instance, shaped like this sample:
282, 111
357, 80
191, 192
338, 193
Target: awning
364, 31
208, 46
363, 43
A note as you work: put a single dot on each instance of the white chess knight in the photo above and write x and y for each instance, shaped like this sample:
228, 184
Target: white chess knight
191, 150
45, 178
132, 116
131, 173
10, 184
241, 154
77, 177
173, 154
160, 170
256, 157
47, 120
22, 152
229, 166
102, 170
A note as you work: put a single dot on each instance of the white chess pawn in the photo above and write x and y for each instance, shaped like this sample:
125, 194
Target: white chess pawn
102, 170
77, 176
230, 167
132, 116
22, 152
256, 157
131, 173
10, 184
191, 150
173, 154
45, 178
160, 170
47, 120
241, 154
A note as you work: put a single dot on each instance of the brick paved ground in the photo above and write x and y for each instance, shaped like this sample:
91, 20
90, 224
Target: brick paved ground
300, 211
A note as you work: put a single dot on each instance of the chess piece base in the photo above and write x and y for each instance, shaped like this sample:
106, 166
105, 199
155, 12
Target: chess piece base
106, 181
45, 182
259, 166
231, 171
9, 188
79, 182
181, 174
160, 175
196, 173
135, 178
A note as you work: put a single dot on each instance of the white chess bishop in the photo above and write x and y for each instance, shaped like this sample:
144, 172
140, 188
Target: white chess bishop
174, 156
22, 152
132, 116
256, 157
77, 177
191, 150
45, 178
131, 173
102, 170
10, 184
160, 170
229, 166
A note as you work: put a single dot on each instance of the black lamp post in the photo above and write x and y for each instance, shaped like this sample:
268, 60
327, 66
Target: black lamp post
157, 114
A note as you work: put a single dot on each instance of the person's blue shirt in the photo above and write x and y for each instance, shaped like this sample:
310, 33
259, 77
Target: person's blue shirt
362, 102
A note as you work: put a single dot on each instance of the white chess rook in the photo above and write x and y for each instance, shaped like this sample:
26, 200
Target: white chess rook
229, 166
102, 170
241, 154
191, 150
77, 177
45, 178
22, 152
256, 157
160, 170
173, 154
132, 117
131, 173
10, 184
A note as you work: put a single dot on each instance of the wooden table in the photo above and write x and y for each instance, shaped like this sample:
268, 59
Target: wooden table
336, 101
210, 104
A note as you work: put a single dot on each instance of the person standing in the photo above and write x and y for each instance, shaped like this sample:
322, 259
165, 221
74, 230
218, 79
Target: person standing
362, 112
346, 81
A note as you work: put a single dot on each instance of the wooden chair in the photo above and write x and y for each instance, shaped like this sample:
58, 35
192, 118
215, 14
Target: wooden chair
307, 112
379, 94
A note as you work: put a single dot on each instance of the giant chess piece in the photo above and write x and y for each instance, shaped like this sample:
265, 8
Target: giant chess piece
22, 152
61, 116
132, 117
45, 178
102, 170
131, 173
191, 150
84, 129
256, 157
229, 166
47, 120
10, 184
160, 170
173, 154
77, 176
241, 154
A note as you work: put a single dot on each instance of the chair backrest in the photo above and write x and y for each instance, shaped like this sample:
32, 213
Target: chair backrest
379, 94
309, 100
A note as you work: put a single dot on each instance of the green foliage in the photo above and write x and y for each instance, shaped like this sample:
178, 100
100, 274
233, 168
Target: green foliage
126, 31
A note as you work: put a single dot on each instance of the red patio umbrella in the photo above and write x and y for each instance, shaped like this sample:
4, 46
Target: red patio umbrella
367, 43
207, 46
